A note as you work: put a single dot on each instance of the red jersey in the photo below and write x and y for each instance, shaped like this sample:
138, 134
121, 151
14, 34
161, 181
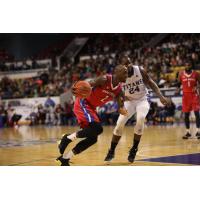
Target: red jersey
189, 81
102, 94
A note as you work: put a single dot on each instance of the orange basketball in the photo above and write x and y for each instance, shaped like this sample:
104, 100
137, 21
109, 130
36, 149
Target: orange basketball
82, 89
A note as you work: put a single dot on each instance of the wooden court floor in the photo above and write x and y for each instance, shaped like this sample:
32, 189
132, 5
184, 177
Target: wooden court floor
37, 146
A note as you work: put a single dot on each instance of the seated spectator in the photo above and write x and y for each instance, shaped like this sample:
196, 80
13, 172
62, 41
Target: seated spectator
33, 118
13, 117
162, 113
170, 112
67, 115
49, 102
58, 112
178, 114
50, 114
41, 115
3, 116
152, 116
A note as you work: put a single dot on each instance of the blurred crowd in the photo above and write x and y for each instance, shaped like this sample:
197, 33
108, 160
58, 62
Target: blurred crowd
56, 114
175, 50
51, 83
48, 114
107, 49
102, 54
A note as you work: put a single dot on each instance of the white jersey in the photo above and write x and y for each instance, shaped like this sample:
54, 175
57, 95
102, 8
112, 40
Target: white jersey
134, 88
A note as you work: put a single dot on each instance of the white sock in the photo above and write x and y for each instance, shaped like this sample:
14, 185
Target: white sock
68, 155
198, 130
72, 136
188, 130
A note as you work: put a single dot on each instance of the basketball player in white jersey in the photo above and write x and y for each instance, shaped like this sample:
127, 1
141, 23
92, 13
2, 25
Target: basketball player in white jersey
136, 92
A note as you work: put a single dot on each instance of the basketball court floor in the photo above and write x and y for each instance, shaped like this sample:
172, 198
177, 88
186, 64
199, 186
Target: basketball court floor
37, 146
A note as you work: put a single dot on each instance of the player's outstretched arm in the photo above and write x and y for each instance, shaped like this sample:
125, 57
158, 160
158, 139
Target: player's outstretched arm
198, 87
99, 81
150, 82
120, 101
178, 85
198, 77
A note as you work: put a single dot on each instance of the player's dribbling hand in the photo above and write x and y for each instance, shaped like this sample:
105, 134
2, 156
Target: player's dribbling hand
123, 111
73, 89
165, 101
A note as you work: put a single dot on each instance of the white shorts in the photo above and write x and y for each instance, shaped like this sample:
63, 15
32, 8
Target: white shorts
141, 107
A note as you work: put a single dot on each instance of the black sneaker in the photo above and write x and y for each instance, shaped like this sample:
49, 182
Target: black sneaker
64, 162
63, 144
198, 135
187, 136
110, 156
132, 154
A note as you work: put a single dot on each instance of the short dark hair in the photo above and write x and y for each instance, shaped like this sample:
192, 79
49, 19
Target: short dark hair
121, 57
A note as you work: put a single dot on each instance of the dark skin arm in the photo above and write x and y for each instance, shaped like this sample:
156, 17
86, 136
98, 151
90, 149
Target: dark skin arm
198, 77
99, 81
198, 87
179, 83
120, 101
150, 82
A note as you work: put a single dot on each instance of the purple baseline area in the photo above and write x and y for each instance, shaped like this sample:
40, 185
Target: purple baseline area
193, 159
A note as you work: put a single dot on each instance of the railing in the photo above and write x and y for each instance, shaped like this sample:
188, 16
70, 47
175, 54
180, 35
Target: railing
31, 65
155, 40
73, 49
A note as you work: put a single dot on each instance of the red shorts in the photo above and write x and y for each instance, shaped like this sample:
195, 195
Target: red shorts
191, 102
85, 113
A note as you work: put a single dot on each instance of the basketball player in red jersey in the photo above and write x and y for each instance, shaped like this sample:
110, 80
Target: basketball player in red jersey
105, 88
191, 97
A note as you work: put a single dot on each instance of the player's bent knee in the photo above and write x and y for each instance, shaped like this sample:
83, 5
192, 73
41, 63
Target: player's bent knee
118, 130
139, 127
139, 130
93, 140
97, 128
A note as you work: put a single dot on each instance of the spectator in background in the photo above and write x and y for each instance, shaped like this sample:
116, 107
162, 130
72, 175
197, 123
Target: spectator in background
13, 117
110, 108
49, 102
162, 113
153, 113
33, 116
50, 115
41, 115
44, 77
178, 114
58, 112
66, 97
3, 116
67, 115
170, 112
114, 114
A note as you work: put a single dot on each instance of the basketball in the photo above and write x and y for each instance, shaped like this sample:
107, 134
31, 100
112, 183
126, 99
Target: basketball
82, 89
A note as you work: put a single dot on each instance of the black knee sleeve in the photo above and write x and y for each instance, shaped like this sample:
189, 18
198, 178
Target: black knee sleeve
187, 120
197, 119
84, 144
94, 129
97, 127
